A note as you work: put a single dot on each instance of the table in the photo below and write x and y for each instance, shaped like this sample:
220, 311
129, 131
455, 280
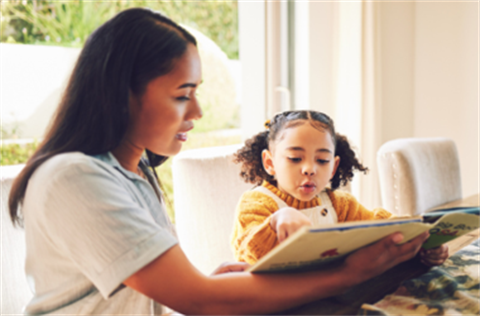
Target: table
375, 289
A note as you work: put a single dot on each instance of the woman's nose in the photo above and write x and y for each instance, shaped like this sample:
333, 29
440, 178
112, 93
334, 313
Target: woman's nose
196, 111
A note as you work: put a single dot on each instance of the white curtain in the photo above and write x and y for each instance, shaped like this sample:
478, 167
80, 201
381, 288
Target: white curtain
357, 89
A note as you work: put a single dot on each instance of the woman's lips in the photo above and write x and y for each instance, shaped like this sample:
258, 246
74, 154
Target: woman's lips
182, 136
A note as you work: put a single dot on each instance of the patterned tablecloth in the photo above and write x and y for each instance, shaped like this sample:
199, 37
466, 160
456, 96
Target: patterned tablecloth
450, 289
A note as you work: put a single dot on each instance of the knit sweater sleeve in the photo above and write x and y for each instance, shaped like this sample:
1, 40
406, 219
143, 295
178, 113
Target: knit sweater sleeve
252, 236
349, 209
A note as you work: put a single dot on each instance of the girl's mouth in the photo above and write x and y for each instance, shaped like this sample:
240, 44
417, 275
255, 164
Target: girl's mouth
308, 187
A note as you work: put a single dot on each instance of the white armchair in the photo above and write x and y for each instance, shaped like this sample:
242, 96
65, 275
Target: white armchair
15, 291
207, 187
417, 174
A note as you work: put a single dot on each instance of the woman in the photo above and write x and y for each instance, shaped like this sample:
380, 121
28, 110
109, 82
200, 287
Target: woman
98, 240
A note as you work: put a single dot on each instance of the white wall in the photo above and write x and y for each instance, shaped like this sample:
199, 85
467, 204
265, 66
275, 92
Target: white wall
397, 51
430, 85
447, 82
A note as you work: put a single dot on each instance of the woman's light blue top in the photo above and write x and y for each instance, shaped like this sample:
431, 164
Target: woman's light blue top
89, 225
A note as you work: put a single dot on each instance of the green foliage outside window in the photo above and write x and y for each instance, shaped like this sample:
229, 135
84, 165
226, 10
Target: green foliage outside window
14, 154
69, 22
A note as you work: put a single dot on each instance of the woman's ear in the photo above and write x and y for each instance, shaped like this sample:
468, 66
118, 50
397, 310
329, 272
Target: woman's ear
268, 162
335, 166
133, 103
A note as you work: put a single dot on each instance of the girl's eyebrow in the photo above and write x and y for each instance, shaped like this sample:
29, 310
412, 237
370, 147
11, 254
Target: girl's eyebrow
296, 148
325, 150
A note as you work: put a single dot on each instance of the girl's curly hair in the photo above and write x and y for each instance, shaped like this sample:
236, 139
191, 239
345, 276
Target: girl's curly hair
250, 155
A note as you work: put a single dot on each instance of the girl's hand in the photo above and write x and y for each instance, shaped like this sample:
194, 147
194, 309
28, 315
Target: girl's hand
435, 256
377, 258
227, 267
288, 220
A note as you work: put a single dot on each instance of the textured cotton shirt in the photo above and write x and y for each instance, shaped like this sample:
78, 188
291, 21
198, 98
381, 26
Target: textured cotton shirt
89, 225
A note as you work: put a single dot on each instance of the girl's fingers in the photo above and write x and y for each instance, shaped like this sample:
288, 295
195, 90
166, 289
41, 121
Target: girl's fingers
435, 253
281, 234
430, 263
441, 256
434, 256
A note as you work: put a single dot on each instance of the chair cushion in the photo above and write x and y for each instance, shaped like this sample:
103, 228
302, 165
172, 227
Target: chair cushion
15, 291
417, 174
207, 187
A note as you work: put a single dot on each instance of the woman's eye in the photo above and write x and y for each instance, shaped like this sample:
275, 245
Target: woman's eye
293, 159
183, 98
322, 161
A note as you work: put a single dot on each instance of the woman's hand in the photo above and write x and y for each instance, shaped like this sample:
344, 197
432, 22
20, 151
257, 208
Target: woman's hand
377, 258
227, 267
435, 256
288, 220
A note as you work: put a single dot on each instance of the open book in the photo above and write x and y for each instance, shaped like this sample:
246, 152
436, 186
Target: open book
313, 247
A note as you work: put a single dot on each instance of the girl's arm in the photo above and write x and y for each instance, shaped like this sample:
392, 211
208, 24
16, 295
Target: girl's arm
253, 235
173, 281
349, 209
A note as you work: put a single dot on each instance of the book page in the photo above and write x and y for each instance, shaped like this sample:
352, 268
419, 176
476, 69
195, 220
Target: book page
451, 226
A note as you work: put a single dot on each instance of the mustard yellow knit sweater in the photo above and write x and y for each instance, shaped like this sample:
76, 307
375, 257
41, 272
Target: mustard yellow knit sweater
253, 237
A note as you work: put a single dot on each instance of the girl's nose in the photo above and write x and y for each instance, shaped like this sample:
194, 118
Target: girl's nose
309, 170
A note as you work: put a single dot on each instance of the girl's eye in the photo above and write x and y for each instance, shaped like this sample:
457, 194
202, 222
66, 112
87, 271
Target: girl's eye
293, 159
322, 161
183, 98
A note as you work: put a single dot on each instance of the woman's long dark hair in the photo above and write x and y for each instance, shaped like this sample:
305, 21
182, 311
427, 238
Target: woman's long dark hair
119, 58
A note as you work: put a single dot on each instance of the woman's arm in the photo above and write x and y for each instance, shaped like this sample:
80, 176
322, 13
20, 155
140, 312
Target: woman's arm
173, 281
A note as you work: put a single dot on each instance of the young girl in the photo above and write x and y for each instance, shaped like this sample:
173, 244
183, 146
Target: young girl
298, 164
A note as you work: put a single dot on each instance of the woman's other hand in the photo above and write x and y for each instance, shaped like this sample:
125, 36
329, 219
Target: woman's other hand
377, 258
287, 221
227, 267
435, 256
